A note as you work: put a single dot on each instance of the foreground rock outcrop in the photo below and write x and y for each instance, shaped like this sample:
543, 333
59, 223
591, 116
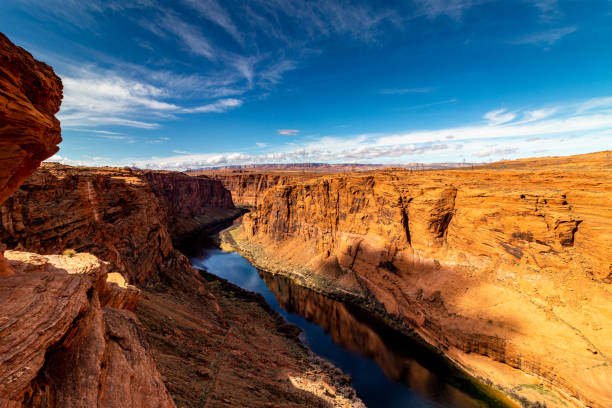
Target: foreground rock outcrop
504, 269
30, 96
63, 345
68, 336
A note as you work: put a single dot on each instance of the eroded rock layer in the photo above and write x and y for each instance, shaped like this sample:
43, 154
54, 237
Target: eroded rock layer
122, 216
247, 189
192, 203
68, 340
505, 269
30, 96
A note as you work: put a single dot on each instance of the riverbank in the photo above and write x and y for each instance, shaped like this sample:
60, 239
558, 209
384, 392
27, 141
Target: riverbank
500, 382
229, 348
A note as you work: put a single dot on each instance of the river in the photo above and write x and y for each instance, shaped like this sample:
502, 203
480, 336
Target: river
388, 369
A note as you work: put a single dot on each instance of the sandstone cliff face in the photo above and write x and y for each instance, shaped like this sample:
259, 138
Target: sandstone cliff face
30, 96
63, 345
191, 202
68, 336
120, 215
509, 264
247, 189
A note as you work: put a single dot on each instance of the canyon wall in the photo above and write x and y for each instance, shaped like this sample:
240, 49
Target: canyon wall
247, 189
192, 203
124, 216
68, 335
505, 269
30, 96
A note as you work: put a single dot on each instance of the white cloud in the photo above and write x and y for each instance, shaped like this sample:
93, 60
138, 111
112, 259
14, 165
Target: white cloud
288, 132
497, 117
451, 8
190, 36
94, 98
558, 130
222, 105
260, 144
544, 38
215, 13
530, 116
596, 103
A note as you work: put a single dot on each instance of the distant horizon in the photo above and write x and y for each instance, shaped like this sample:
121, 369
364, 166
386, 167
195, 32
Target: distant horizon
203, 83
443, 165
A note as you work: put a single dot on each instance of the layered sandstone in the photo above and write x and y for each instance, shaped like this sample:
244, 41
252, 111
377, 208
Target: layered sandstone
68, 340
30, 96
505, 269
123, 216
192, 203
247, 189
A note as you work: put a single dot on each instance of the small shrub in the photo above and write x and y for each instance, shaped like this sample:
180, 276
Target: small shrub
69, 252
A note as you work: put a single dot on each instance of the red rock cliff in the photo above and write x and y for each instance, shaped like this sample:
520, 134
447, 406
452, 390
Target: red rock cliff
505, 269
191, 202
30, 96
247, 189
68, 336
122, 216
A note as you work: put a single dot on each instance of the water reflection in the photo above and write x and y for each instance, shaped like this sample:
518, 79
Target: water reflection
388, 368
392, 352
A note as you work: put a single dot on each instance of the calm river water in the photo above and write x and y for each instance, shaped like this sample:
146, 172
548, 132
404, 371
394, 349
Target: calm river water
388, 368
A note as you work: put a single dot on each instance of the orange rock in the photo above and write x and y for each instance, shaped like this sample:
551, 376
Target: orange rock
53, 323
511, 262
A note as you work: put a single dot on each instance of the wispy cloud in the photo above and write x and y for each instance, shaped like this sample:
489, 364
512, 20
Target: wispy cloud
451, 8
190, 35
499, 116
95, 98
222, 105
544, 38
427, 105
538, 114
549, 9
288, 132
215, 13
575, 127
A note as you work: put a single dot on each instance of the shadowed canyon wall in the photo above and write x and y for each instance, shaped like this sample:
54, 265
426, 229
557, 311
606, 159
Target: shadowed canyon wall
68, 336
122, 216
506, 269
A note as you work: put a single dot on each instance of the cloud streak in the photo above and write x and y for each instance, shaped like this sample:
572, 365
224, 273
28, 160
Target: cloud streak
544, 38
499, 134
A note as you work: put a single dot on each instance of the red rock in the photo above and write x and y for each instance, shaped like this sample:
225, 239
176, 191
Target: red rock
30, 96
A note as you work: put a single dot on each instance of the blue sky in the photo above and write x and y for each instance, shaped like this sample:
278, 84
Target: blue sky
195, 83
